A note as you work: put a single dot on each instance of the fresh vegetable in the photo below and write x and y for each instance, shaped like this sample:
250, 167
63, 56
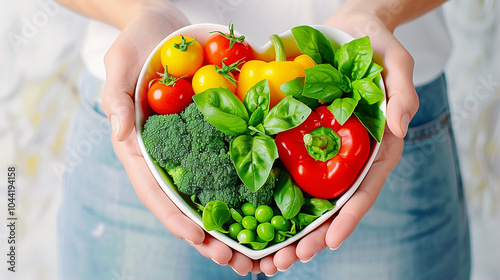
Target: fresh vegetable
195, 154
276, 72
263, 214
222, 46
169, 95
182, 55
222, 151
253, 150
288, 196
265, 231
316, 162
280, 223
264, 195
345, 78
213, 76
214, 216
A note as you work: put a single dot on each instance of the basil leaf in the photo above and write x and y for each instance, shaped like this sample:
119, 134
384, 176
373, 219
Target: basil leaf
288, 196
354, 58
256, 245
306, 219
323, 82
236, 215
223, 110
257, 101
373, 71
342, 108
294, 88
285, 115
370, 93
214, 216
372, 118
317, 206
313, 43
257, 129
253, 158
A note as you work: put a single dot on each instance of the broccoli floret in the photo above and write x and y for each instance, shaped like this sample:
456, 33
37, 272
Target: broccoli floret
192, 151
264, 195
230, 195
161, 137
206, 136
196, 156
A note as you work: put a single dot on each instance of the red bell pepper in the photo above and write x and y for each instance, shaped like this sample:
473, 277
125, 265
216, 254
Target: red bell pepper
324, 157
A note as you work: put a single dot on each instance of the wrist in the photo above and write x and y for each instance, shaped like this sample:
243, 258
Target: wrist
391, 13
385, 12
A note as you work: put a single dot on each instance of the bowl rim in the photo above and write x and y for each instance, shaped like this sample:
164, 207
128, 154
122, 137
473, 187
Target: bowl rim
335, 35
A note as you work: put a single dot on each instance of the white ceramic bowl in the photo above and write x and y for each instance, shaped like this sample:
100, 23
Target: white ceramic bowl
266, 52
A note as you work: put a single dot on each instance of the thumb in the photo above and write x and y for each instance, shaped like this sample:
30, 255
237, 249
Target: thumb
121, 74
402, 99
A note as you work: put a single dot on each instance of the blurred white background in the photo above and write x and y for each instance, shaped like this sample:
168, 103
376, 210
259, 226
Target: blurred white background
39, 72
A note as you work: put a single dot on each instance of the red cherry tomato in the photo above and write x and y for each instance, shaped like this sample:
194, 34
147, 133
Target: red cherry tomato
169, 95
220, 46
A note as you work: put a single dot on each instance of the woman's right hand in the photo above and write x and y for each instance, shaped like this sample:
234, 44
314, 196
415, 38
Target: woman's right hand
123, 63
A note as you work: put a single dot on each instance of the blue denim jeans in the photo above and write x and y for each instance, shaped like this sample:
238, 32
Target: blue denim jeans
417, 229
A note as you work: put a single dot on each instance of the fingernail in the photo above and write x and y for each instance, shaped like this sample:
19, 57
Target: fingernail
270, 275
283, 270
405, 121
335, 248
238, 272
115, 125
306, 261
192, 243
218, 262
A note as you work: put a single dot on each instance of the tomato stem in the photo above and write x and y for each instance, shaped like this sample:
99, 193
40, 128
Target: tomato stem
279, 48
226, 69
231, 37
183, 45
166, 78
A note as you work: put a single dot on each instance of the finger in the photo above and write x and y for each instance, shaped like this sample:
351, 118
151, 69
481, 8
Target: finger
402, 99
121, 76
312, 243
363, 199
256, 267
215, 250
241, 264
285, 258
151, 194
267, 266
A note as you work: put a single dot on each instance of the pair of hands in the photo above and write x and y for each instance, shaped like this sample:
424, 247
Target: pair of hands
123, 63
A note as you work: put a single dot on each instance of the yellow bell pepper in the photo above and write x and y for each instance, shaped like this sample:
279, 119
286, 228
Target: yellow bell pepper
276, 72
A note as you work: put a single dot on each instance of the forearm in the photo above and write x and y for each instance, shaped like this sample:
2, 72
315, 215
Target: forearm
393, 12
115, 12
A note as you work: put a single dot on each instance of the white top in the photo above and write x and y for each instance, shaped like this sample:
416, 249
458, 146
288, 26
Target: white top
426, 38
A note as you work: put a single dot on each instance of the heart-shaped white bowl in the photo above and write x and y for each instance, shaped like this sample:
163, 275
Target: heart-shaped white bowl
266, 52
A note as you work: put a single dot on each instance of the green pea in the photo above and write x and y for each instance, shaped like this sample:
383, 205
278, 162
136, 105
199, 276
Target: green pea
234, 229
280, 223
258, 239
248, 209
263, 213
265, 231
246, 235
249, 222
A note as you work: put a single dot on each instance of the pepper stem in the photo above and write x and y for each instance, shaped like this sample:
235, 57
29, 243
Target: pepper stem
322, 144
320, 141
279, 48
